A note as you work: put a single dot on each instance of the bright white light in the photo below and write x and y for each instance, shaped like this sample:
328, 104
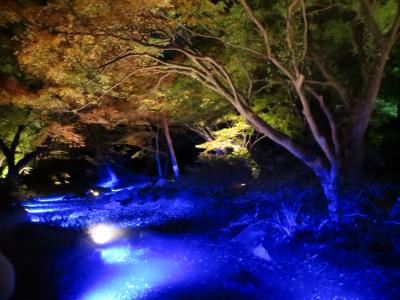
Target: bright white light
104, 233
94, 193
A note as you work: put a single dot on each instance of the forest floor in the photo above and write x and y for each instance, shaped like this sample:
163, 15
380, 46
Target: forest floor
177, 242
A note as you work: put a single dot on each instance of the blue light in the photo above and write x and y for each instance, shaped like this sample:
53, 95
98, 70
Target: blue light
120, 254
50, 199
111, 181
133, 280
45, 210
35, 219
33, 205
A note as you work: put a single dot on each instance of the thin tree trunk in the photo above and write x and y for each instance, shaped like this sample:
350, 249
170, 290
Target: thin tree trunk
9, 153
205, 133
332, 188
357, 125
157, 154
174, 162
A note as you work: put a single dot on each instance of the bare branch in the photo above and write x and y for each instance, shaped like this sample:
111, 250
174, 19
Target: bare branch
318, 136
257, 139
214, 37
161, 80
325, 8
260, 27
330, 118
289, 34
114, 60
305, 30
265, 35
122, 80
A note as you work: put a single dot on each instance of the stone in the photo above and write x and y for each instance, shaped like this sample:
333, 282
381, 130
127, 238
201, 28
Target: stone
252, 235
262, 253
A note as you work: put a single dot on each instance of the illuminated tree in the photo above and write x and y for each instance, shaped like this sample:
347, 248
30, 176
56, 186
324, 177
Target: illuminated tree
20, 130
328, 58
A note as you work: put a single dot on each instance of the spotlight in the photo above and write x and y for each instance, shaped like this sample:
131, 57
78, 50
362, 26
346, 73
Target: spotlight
94, 193
104, 233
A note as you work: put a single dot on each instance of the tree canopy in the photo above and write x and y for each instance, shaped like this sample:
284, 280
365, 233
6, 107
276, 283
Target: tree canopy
305, 74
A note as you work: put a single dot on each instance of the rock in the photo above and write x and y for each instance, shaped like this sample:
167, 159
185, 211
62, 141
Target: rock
252, 235
262, 253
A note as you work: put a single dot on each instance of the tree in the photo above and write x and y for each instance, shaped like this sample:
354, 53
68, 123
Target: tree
14, 166
20, 144
326, 57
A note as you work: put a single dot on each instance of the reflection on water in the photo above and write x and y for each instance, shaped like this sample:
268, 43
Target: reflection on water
133, 279
129, 269
121, 254
113, 261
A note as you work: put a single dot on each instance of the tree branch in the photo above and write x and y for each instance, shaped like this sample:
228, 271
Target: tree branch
318, 136
331, 78
16, 139
357, 42
376, 32
32, 155
4, 148
289, 32
394, 31
305, 30
331, 120
265, 35
258, 24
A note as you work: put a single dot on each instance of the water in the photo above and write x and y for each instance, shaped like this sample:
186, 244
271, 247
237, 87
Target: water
150, 265
130, 261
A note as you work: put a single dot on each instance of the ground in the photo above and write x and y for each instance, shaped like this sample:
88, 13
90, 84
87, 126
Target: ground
175, 242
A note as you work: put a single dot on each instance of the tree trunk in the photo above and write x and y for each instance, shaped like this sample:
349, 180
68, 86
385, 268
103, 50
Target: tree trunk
174, 162
15, 167
354, 133
330, 175
12, 175
354, 158
157, 154
332, 188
